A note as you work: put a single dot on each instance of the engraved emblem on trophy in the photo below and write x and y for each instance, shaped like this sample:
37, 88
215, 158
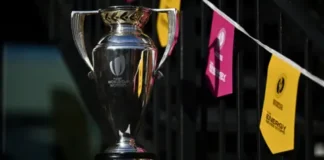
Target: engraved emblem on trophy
124, 66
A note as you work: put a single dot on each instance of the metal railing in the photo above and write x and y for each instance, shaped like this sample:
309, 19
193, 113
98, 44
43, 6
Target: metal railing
184, 121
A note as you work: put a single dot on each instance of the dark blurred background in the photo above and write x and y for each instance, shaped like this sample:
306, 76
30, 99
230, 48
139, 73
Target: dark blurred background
50, 108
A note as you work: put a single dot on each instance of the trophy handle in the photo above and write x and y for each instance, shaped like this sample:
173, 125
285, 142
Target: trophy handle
77, 25
173, 20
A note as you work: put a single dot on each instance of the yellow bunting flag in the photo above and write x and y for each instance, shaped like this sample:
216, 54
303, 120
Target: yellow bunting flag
162, 20
140, 76
279, 108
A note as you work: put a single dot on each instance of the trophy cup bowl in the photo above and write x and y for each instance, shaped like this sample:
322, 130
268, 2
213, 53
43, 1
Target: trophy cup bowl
124, 67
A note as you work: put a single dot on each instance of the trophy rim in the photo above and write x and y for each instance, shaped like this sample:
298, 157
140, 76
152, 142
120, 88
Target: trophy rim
126, 7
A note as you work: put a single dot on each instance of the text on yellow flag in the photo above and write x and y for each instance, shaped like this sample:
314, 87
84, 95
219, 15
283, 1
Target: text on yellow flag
277, 122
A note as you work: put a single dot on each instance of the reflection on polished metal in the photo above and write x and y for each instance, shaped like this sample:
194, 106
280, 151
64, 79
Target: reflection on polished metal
124, 67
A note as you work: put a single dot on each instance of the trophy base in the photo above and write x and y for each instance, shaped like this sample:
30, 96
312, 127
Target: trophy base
125, 149
125, 156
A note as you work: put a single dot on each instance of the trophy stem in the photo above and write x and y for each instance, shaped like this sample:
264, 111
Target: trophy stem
125, 148
125, 144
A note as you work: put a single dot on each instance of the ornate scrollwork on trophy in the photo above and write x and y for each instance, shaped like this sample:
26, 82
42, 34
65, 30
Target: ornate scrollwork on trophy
139, 16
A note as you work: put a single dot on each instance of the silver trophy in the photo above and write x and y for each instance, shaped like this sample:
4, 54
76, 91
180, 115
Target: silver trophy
124, 67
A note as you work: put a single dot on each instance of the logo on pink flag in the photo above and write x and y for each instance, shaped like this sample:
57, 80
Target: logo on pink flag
219, 71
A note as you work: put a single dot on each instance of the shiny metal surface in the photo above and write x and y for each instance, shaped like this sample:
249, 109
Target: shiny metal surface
124, 77
130, 15
124, 66
77, 26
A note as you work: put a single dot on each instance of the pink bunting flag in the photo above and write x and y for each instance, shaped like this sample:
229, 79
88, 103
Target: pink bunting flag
219, 70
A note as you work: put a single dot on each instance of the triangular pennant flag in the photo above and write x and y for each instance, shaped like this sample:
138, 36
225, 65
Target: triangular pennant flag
219, 71
279, 108
162, 20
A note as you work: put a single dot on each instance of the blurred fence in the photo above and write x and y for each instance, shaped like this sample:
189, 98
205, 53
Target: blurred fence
184, 121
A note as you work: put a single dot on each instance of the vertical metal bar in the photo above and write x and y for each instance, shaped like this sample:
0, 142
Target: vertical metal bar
88, 25
156, 112
79, 5
280, 33
93, 26
239, 95
189, 86
309, 153
88, 6
178, 90
222, 131
182, 139
97, 24
281, 48
168, 111
260, 82
203, 123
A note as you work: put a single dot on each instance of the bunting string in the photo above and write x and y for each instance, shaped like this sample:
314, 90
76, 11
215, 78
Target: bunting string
269, 49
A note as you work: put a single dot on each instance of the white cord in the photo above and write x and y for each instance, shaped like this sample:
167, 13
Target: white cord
272, 51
